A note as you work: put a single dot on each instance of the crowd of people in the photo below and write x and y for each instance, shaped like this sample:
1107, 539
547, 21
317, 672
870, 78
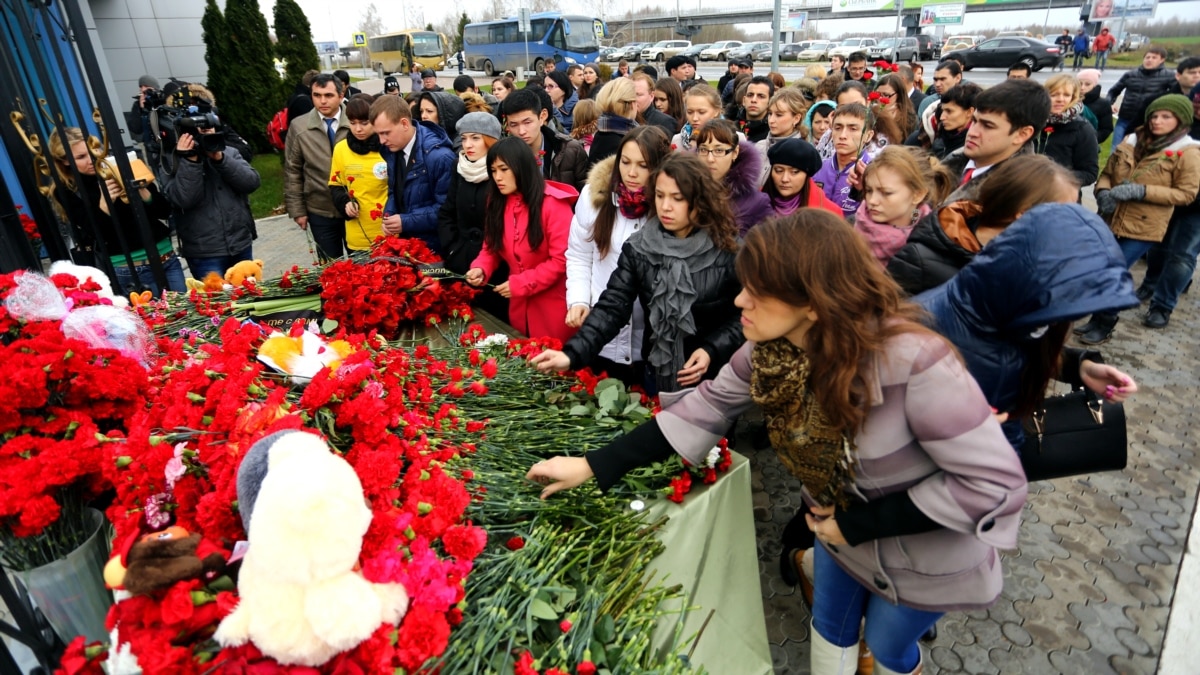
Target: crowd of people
833, 250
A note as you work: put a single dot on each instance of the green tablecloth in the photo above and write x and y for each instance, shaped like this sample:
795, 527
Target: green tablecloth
711, 551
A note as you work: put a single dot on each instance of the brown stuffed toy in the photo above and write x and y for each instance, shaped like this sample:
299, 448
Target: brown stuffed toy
158, 560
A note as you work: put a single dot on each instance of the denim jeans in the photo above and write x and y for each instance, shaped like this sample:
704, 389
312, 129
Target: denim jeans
171, 267
1134, 249
200, 267
1170, 263
1102, 60
1119, 129
840, 603
329, 234
1080, 60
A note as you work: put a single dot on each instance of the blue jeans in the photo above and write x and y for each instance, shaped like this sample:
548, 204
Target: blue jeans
840, 603
1119, 130
171, 267
1102, 60
1134, 249
1170, 264
329, 234
200, 267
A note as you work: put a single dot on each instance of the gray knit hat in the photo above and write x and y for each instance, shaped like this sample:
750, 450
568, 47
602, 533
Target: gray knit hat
479, 123
148, 81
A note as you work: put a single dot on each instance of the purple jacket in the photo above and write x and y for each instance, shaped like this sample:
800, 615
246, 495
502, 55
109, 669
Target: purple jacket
836, 185
750, 204
929, 431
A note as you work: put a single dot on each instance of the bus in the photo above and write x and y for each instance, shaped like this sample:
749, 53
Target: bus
496, 46
396, 52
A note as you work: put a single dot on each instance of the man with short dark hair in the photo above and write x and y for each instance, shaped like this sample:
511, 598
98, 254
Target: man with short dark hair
575, 75
1080, 46
466, 84
731, 73
837, 66
549, 66
1019, 71
420, 164
561, 157
947, 74
856, 69
1006, 118
681, 68
1064, 45
346, 86
429, 81
1187, 75
1140, 86
308, 153
745, 66
753, 118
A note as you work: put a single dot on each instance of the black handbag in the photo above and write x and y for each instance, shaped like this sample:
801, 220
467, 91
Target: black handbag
1074, 434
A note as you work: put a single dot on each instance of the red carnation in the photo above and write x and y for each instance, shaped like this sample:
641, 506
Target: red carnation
515, 544
883, 100
524, 665
1168, 153
490, 368
585, 668
478, 388
867, 75
874, 96
464, 542
564, 625
1049, 130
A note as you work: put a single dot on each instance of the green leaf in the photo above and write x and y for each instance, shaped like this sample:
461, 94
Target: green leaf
607, 399
542, 610
605, 629
579, 411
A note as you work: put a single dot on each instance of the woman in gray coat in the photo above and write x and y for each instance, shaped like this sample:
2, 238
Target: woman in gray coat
912, 486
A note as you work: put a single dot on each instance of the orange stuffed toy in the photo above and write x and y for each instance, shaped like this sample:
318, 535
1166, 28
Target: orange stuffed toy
245, 270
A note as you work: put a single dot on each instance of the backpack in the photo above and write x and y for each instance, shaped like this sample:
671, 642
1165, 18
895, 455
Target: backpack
277, 129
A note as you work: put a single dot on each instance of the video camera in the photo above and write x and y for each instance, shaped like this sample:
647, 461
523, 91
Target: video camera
175, 111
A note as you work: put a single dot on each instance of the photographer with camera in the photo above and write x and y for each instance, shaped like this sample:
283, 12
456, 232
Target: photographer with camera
209, 190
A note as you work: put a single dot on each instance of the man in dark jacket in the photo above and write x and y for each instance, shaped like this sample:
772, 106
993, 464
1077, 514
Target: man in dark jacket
643, 87
561, 157
1140, 86
1187, 75
752, 119
308, 153
1064, 45
420, 163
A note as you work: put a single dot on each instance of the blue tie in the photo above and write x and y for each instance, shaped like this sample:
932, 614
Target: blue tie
332, 131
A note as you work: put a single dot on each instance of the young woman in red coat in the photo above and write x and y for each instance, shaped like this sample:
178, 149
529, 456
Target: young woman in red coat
527, 224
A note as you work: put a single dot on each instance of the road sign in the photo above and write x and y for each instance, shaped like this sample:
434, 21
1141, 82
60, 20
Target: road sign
523, 20
326, 48
360, 39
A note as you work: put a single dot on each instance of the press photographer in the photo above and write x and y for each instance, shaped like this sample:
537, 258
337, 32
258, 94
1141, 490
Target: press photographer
208, 184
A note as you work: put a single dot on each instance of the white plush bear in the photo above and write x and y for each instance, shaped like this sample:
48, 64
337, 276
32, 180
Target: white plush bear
302, 602
82, 272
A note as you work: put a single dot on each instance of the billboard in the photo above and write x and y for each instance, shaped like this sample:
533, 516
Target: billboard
326, 48
879, 5
1106, 10
795, 21
942, 15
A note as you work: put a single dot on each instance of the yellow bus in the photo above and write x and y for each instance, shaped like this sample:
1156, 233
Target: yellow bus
396, 52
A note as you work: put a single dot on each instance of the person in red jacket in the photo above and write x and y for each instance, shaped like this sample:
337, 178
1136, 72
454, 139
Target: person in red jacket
789, 183
529, 233
1102, 45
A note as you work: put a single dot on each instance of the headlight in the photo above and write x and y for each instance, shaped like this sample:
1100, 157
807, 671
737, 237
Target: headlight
441, 64
569, 60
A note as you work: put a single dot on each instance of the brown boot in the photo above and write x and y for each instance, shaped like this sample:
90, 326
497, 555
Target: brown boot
866, 660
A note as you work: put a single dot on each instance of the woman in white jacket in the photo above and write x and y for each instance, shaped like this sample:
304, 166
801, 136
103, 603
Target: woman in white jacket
614, 204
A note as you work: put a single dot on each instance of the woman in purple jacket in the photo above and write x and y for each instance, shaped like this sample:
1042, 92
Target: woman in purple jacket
912, 485
737, 165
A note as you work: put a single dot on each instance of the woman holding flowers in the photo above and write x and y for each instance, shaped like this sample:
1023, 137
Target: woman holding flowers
358, 176
526, 225
900, 187
1150, 173
737, 165
679, 266
614, 205
891, 93
912, 485
1068, 137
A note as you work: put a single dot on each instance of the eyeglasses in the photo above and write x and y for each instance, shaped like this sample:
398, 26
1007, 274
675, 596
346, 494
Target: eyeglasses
713, 152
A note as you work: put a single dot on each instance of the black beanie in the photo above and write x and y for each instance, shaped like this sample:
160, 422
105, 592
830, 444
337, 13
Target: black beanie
796, 153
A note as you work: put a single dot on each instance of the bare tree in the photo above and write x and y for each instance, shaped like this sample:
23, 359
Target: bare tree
370, 23
497, 9
543, 6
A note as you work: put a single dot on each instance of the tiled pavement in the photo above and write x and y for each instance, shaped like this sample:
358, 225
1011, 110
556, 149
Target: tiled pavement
1089, 589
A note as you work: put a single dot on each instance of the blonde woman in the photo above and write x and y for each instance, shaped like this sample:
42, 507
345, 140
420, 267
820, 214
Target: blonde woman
1068, 137
618, 114
785, 119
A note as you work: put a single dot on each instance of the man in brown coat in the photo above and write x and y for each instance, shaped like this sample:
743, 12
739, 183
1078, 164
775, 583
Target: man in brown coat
308, 153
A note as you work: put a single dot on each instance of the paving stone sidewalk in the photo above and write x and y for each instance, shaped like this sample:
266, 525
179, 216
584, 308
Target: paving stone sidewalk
1090, 588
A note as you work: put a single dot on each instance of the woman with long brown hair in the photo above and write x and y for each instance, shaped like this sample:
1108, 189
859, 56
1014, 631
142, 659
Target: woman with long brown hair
668, 99
679, 266
912, 487
899, 107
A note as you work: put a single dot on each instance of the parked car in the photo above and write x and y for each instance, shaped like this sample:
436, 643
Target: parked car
959, 42
664, 49
694, 50
893, 50
719, 51
610, 54
1002, 52
747, 49
762, 53
930, 49
1133, 42
791, 52
850, 45
817, 51
633, 51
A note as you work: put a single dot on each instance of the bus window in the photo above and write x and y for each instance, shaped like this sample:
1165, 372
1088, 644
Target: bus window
427, 44
539, 27
556, 38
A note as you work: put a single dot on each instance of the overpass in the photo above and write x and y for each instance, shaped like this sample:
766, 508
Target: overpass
817, 10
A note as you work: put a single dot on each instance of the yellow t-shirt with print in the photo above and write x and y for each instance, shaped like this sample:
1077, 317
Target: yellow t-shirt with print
365, 179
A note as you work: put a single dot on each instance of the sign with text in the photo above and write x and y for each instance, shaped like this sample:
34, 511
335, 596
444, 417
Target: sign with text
881, 5
796, 21
943, 15
1107, 10
327, 48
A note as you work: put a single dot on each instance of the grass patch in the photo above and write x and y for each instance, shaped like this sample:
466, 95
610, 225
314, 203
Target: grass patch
267, 200
1105, 151
1177, 49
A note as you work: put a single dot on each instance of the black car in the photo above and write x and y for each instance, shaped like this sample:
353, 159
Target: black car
1002, 52
929, 47
790, 52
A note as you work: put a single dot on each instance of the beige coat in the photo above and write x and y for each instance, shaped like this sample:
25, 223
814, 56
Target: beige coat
308, 157
1169, 182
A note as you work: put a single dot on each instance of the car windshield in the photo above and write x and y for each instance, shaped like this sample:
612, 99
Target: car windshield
887, 42
427, 44
852, 42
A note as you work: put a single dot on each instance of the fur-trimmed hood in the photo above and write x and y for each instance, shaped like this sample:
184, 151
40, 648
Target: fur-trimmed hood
743, 176
599, 179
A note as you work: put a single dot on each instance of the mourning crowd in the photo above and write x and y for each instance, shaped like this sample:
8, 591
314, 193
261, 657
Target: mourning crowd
835, 251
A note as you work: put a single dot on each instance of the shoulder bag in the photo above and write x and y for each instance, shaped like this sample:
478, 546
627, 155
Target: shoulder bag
1073, 434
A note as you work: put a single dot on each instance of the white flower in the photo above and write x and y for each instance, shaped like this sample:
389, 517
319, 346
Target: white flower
121, 660
175, 467
714, 455
493, 340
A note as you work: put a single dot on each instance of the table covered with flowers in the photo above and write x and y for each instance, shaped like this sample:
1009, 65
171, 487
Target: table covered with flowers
147, 411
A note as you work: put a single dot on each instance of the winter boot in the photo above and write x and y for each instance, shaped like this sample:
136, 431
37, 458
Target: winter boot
1084, 327
827, 658
1102, 331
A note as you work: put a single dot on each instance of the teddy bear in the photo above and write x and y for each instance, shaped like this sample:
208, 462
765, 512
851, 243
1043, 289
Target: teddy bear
156, 561
246, 269
302, 601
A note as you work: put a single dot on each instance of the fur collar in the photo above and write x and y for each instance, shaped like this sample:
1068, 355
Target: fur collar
599, 179
743, 176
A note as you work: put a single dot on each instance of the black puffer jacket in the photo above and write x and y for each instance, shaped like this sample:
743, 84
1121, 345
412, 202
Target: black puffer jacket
1141, 86
941, 244
718, 329
211, 203
1072, 145
1102, 109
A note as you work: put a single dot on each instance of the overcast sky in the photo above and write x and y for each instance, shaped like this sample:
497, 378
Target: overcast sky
337, 20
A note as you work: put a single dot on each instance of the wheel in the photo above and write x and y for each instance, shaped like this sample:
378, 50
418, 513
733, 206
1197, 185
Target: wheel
488, 68
659, 57
912, 58
539, 67
1029, 61
722, 56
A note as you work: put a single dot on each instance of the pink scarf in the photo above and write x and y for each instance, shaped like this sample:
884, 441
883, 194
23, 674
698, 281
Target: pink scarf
884, 239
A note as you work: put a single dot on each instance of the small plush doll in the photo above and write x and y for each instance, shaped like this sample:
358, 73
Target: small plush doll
302, 599
155, 561
246, 269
